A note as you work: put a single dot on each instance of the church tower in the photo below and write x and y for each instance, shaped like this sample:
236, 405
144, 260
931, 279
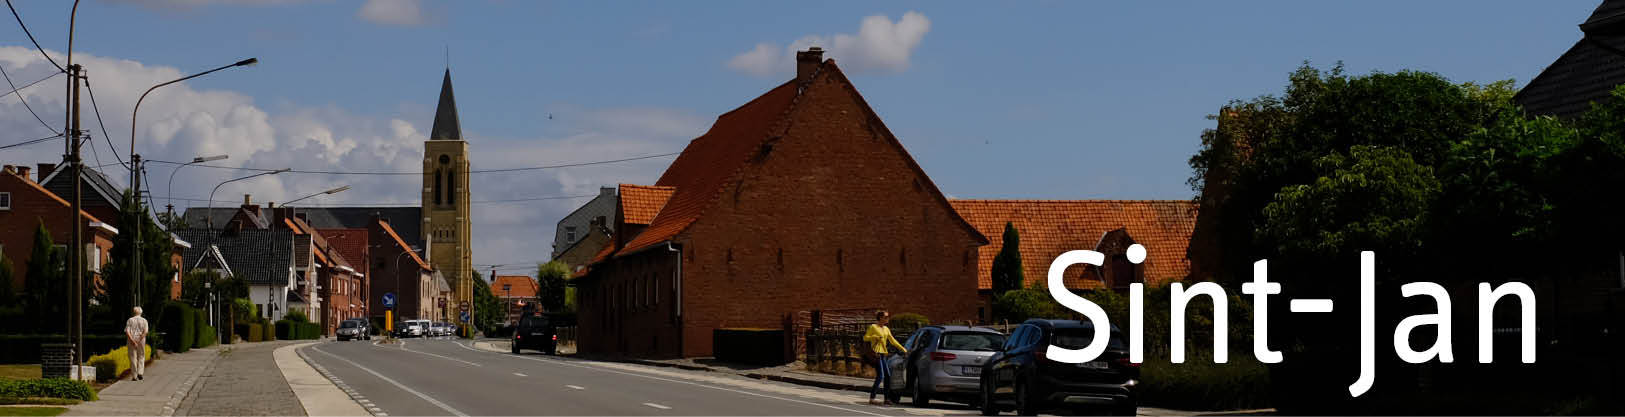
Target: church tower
445, 201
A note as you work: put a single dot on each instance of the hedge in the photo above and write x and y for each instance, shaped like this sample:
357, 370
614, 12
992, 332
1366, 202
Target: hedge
16, 349
203, 333
250, 332
111, 365
295, 330
47, 387
749, 346
179, 324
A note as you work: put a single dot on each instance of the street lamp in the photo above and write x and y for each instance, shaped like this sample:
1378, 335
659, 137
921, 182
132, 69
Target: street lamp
397, 274
170, 199
328, 192
210, 216
135, 159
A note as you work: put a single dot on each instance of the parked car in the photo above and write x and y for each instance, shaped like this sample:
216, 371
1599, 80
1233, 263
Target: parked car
945, 362
442, 328
1022, 378
354, 329
535, 332
414, 328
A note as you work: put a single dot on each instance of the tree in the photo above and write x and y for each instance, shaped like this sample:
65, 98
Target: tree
47, 284
1007, 273
488, 313
550, 281
156, 270
8, 293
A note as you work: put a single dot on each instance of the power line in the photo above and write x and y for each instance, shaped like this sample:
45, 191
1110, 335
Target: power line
19, 92
31, 142
105, 136
31, 37
476, 171
407, 204
15, 88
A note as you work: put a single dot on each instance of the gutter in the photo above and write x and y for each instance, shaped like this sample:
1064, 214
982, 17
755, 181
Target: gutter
104, 226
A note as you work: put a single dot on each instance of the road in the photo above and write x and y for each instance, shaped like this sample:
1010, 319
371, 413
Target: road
449, 377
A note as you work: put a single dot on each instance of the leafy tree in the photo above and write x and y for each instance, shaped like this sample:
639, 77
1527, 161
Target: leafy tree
488, 313
47, 284
550, 280
1007, 273
8, 293
156, 271
1018, 305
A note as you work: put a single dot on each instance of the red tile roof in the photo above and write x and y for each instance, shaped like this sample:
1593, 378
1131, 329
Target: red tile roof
408, 248
713, 159
640, 203
42, 191
1051, 227
519, 286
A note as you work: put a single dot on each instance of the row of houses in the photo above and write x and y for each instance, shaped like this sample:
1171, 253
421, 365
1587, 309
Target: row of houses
802, 202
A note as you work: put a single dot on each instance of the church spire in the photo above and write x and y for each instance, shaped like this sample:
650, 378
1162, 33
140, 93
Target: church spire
446, 126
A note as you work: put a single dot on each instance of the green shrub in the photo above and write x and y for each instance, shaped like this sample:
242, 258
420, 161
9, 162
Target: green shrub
1197, 384
106, 369
910, 321
297, 316
267, 331
178, 324
202, 333
25, 348
282, 328
47, 387
250, 332
1016, 306
120, 360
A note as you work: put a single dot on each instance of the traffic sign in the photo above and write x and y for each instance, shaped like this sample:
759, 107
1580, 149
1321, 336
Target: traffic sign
463, 307
389, 300
464, 316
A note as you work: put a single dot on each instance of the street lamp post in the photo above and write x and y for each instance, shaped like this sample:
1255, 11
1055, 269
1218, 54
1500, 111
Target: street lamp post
328, 192
135, 164
397, 274
210, 217
170, 199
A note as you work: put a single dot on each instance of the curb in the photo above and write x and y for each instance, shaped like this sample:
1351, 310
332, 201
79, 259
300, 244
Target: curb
185, 388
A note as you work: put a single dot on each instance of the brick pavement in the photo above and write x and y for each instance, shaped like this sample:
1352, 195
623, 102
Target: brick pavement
158, 394
244, 381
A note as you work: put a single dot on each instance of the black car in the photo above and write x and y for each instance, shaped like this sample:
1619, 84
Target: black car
536, 333
354, 329
1022, 378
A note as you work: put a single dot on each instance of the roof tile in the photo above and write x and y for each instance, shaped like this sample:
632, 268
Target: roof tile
641, 203
1051, 227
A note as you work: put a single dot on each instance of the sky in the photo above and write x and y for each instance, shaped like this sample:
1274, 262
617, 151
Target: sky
1026, 100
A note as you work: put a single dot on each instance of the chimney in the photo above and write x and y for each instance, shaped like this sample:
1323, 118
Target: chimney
807, 62
22, 171
7, 169
248, 200
606, 190
45, 171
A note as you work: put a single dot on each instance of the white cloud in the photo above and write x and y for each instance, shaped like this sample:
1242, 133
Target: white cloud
392, 12
880, 45
179, 122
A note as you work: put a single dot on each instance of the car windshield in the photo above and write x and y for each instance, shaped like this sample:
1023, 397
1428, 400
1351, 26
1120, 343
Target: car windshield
1079, 338
348, 324
975, 341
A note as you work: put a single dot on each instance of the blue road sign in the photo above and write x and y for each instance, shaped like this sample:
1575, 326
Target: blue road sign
389, 300
464, 316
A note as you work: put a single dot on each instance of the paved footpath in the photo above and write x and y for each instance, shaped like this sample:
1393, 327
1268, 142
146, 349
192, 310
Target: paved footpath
244, 381
158, 394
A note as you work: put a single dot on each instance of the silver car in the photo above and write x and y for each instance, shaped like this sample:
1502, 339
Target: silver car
944, 362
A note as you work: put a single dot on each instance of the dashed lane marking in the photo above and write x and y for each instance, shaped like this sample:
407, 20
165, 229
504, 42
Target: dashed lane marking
403, 387
575, 387
662, 407
519, 374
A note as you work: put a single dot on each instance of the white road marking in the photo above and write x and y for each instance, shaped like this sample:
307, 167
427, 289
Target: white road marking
403, 387
440, 356
662, 407
576, 387
601, 369
519, 374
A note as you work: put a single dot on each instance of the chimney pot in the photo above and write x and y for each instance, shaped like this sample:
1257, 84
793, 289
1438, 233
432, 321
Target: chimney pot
807, 62
45, 171
7, 169
22, 171
248, 200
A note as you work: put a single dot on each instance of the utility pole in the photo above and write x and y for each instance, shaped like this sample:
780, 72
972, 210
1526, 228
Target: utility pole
136, 274
76, 242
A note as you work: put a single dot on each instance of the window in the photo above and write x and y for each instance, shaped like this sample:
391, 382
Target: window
5, 201
569, 234
93, 258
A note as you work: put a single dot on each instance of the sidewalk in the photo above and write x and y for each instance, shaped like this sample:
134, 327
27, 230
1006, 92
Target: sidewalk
244, 381
159, 393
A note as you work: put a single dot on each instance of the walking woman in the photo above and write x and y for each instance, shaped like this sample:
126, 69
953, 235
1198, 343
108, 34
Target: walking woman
880, 342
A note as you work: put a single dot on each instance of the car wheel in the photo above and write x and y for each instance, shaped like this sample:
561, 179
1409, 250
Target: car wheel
988, 407
1024, 401
918, 395
515, 347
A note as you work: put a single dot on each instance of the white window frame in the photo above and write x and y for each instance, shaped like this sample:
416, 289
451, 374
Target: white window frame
5, 197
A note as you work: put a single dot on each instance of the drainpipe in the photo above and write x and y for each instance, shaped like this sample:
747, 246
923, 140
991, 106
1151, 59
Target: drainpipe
677, 283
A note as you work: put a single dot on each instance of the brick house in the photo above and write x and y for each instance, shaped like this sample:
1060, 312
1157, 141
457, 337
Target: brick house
397, 268
587, 221
1049, 228
768, 217
25, 205
1587, 72
515, 292
352, 244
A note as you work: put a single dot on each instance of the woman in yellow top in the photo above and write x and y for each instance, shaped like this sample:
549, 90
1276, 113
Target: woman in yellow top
880, 340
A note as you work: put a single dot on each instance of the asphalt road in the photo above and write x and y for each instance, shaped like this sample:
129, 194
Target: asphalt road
448, 377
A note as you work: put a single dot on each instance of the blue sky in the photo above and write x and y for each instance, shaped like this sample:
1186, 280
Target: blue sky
1045, 99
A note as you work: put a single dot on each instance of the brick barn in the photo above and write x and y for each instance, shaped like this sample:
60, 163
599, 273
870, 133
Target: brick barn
799, 200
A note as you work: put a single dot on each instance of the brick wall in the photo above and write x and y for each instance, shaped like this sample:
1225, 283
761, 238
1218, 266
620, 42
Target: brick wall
829, 216
632, 308
30, 206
